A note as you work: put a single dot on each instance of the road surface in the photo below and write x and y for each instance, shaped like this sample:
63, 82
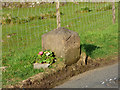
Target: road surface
104, 77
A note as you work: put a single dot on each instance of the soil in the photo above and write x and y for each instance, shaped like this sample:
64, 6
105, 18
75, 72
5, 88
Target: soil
58, 76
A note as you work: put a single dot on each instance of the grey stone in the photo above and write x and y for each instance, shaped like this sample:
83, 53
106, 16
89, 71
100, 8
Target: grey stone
38, 65
64, 43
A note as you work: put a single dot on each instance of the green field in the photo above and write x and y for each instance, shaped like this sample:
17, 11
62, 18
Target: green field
99, 37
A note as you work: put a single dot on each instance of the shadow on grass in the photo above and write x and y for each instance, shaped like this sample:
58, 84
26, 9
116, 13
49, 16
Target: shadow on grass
89, 48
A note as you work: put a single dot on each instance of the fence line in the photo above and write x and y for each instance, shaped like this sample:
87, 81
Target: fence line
23, 27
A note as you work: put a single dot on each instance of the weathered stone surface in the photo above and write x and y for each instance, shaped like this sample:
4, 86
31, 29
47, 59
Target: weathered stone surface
83, 58
64, 43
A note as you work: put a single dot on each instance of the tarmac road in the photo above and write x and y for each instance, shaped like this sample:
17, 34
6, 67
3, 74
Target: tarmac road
104, 77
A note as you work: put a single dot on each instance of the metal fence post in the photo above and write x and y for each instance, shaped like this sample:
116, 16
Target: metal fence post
58, 14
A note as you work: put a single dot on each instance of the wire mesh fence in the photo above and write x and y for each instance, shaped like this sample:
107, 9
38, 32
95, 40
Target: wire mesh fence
23, 24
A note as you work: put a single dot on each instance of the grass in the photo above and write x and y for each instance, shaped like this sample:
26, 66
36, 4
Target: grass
99, 37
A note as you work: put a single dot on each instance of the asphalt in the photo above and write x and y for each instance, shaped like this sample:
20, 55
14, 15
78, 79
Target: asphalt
104, 77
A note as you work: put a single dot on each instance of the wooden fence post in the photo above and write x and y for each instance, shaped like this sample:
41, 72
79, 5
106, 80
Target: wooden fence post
58, 14
113, 12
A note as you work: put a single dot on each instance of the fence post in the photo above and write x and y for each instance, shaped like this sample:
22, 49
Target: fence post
113, 12
58, 14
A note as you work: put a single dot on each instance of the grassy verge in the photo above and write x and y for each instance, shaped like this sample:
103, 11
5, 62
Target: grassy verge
22, 42
100, 43
59, 73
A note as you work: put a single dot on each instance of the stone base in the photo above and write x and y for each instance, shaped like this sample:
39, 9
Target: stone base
39, 66
64, 43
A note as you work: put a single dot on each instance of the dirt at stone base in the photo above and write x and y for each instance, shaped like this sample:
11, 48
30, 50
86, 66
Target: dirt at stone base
56, 77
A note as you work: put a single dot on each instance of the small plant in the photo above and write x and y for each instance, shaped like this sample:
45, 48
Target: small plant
105, 8
46, 56
84, 10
